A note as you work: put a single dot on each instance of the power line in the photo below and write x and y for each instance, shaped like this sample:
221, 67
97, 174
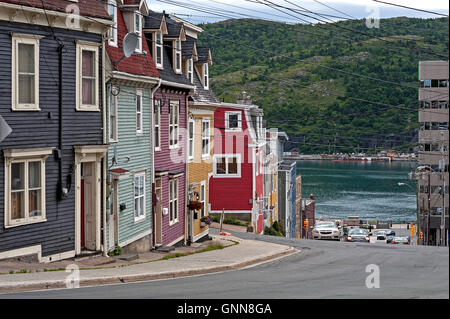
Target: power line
411, 8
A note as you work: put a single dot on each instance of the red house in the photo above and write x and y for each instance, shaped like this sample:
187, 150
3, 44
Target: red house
236, 186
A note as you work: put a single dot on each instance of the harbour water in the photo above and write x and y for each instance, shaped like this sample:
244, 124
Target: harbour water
365, 189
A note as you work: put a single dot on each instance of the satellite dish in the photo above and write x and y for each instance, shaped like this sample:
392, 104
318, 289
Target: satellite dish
130, 42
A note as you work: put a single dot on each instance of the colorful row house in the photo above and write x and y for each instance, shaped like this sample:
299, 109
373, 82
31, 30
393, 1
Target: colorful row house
237, 183
53, 163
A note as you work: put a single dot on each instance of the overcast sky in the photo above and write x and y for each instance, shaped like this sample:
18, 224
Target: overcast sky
214, 10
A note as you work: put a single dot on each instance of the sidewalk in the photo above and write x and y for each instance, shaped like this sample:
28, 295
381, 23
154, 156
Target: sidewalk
235, 256
229, 227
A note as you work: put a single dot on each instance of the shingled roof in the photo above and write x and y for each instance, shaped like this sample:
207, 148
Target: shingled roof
153, 20
200, 94
168, 74
203, 55
174, 28
88, 8
187, 47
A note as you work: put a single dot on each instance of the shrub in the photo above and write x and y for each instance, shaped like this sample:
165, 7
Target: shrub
116, 252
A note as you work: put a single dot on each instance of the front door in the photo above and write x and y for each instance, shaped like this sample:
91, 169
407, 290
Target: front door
113, 216
158, 212
89, 199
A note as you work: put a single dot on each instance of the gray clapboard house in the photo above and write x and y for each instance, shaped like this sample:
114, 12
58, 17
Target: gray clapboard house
52, 164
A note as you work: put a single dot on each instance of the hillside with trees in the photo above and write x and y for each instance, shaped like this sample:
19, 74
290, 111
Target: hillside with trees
338, 87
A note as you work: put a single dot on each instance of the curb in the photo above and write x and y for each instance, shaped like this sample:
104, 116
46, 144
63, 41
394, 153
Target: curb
22, 287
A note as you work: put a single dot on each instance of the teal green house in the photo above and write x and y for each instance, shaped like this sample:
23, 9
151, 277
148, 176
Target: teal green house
130, 84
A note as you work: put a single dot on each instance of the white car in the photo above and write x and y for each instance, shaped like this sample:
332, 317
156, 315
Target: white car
326, 230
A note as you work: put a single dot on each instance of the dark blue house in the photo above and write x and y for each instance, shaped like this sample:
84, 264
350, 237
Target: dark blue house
52, 164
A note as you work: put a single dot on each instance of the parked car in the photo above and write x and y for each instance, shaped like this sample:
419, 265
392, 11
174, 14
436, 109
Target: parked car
358, 234
401, 240
380, 236
326, 230
390, 234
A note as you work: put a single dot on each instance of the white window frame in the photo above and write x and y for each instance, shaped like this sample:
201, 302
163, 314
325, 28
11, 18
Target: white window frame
207, 137
142, 214
227, 160
191, 139
157, 124
190, 70
114, 137
16, 40
159, 46
173, 201
24, 156
227, 121
205, 76
113, 31
203, 200
138, 31
89, 46
177, 56
139, 114
257, 164
174, 106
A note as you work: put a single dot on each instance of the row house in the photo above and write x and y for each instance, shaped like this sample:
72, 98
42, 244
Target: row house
202, 104
53, 162
130, 86
271, 164
237, 183
164, 37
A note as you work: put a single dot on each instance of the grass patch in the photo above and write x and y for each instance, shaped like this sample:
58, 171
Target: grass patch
230, 221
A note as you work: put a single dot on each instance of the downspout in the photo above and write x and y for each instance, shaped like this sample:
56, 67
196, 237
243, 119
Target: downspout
105, 158
59, 152
186, 179
152, 156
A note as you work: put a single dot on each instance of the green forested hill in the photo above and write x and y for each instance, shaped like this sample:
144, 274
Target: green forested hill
295, 81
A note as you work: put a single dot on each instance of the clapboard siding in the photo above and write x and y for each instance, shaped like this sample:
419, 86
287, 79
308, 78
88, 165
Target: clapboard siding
137, 147
173, 161
40, 129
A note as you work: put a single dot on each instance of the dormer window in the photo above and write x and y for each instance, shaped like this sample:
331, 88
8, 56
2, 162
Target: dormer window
138, 30
177, 56
159, 50
205, 76
112, 10
190, 70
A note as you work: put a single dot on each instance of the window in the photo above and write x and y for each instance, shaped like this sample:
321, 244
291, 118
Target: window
157, 118
113, 117
87, 77
205, 76
191, 139
138, 31
190, 70
112, 10
158, 189
202, 198
227, 165
434, 83
139, 117
25, 70
205, 138
25, 186
159, 50
174, 110
173, 201
139, 196
233, 121
177, 56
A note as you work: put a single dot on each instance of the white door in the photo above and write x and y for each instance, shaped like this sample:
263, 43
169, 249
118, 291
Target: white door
89, 204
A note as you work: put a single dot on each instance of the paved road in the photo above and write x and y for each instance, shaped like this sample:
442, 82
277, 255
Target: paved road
323, 269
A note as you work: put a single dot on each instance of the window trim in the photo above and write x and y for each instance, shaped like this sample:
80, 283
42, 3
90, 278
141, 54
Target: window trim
172, 200
159, 45
190, 70
113, 99
203, 211
176, 125
205, 76
140, 96
157, 108
16, 40
137, 17
191, 139
227, 121
142, 216
114, 27
227, 157
88, 46
204, 121
177, 56
24, 156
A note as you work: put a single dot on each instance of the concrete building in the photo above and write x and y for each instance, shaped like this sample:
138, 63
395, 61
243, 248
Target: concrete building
432, 174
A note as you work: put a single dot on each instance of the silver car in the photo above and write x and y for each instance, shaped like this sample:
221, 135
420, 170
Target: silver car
326, 230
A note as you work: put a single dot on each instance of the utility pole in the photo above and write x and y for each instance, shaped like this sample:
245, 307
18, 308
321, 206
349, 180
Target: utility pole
442, 169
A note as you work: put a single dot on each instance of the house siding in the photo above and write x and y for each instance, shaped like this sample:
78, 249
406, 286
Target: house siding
33, 129
173, 160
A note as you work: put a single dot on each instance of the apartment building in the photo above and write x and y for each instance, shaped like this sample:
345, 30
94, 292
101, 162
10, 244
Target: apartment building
432, 173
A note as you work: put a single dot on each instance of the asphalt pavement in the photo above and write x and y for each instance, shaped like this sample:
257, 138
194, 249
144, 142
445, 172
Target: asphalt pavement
323, 269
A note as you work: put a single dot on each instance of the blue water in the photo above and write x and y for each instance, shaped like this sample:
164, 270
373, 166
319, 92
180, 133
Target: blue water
362, 189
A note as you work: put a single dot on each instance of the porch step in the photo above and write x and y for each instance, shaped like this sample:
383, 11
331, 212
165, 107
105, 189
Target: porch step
128, 257
86, 254
165, 249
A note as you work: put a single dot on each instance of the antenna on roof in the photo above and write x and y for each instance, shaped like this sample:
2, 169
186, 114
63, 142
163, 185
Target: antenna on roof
130, 42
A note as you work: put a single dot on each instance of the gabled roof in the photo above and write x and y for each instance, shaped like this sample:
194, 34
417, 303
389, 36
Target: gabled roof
139, 4
136, 64
168, 74
175, 30
189, 48
155, 21
204, 55
88, 8
200, 94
